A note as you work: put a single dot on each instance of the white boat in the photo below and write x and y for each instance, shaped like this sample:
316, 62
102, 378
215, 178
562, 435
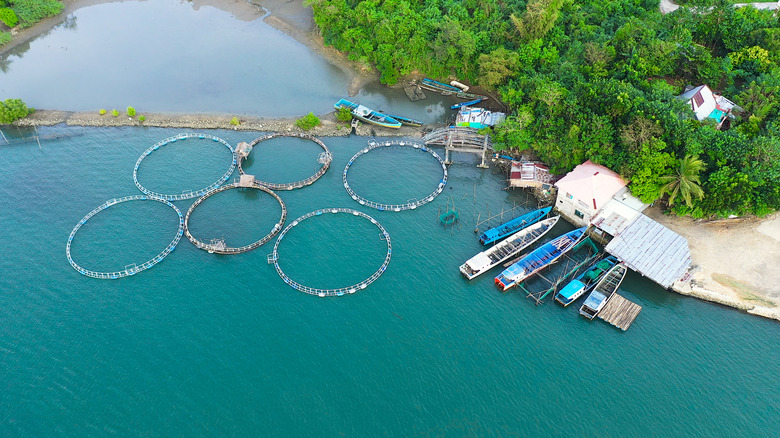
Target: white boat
506, 249
607, 286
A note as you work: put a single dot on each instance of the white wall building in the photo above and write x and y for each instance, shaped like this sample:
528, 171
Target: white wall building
585, 190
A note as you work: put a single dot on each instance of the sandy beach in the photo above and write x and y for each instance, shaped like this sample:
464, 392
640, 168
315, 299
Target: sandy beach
734, 261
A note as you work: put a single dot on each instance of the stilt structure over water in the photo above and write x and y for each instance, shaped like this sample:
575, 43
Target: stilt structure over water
458, 139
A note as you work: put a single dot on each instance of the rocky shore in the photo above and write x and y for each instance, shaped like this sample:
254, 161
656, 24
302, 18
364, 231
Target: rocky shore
329, 126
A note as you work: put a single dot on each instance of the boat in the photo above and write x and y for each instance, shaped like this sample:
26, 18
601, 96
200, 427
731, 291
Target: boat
515, 224
500, 252
538, 259
406, 121
368, 115
469, 103
439, 87
604, 289
464, 95
583, 282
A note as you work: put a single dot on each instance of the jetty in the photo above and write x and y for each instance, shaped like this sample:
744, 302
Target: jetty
619, 312
460, 139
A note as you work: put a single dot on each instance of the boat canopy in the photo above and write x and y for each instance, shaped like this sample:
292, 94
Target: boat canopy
572, 288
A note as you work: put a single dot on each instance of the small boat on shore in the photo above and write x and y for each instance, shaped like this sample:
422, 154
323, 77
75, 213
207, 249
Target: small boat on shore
517, 242
439, 87
406, 121
514, 225
583, 282
469, 103
538, 259
604, 289
367, 114
463, 95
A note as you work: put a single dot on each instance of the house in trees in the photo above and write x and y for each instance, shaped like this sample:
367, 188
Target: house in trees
709, 105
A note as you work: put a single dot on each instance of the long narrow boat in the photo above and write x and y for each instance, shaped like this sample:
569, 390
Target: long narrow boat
469, 103
515, 224
463, 95
406, 121
368, 115
607, 286
583, 282
539, 259
517, 242
439, 87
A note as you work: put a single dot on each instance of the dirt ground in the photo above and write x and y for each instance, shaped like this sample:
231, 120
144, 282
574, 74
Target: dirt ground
736, 262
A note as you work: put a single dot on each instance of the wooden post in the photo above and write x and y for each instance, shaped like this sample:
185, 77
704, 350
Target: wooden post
484, 150
447, 148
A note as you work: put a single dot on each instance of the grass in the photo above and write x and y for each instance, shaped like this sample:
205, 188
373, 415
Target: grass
745, 291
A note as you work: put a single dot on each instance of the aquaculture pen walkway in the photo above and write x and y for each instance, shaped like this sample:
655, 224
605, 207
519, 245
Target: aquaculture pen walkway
459, 139
619, 312
220, 247
325, 158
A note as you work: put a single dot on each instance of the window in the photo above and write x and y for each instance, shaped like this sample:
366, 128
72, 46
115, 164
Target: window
568, 195
579, 214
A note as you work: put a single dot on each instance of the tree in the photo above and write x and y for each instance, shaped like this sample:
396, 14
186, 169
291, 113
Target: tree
685, 182
539, 17
11, 110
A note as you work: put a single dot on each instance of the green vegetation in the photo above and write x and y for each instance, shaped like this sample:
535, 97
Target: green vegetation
5, 37
307, 122
8, 16
234, 121
130, 111
597, 80
12, 110
141, 118
343, 114
33, 11
685, 182
102, 112
115, 113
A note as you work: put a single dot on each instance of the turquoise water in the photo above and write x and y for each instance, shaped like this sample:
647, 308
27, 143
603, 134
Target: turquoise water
204, 344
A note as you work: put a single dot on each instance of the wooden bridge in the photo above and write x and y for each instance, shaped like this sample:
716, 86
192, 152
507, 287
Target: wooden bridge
459, 139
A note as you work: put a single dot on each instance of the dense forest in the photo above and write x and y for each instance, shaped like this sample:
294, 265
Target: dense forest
594, 79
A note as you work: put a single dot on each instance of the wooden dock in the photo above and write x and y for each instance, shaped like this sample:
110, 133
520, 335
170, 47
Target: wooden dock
619, 312
414, 92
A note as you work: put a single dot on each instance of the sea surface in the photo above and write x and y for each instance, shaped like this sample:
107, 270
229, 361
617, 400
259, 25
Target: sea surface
213, 345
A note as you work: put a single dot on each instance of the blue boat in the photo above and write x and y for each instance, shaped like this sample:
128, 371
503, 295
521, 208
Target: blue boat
439, 87
583, 282
469, 103
514, 225
405, 120
367, 114
538, 259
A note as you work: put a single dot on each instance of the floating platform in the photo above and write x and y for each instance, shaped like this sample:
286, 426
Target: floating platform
414, 92
619, 312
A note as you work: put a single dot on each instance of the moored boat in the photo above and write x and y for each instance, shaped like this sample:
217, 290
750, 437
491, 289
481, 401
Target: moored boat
439, 87
583, 282
604, 289
368, 115
406, 121
463, 95
515, 224
502, 251
538, 259
469, 103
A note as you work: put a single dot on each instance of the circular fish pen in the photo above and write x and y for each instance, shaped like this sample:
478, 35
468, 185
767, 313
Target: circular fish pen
411, 205
219, 246
324, 158
274, 257
189, 194
134, 269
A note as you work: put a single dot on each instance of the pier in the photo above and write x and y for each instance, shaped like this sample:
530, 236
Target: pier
460, 139
619, 312
411, 204
273, 258
325, 158
187, 194
218, 245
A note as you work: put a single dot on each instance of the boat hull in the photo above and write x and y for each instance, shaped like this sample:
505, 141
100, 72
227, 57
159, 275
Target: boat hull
604, 289
514, 225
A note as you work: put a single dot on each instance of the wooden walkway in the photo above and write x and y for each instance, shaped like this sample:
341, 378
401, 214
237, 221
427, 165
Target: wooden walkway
620, 312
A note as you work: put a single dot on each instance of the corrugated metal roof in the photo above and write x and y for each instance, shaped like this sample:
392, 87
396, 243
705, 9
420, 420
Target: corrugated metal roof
653, 250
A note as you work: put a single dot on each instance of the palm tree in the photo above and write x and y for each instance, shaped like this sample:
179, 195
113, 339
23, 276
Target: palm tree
685, 182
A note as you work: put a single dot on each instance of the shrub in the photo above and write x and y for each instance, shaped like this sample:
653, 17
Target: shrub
115, 113
130, 111
11, 110
234, 121
343, 114
30, 12
8, 16
307, 122
102, 112
141, 118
